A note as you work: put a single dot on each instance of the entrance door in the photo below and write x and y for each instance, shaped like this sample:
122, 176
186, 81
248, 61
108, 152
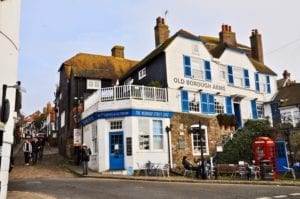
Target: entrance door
116, 151
237, 113
281, 156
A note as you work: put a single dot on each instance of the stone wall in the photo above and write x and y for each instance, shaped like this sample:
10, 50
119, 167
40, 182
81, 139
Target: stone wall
181, 141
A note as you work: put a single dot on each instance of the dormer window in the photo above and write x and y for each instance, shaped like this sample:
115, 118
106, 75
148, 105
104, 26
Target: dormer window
142, 73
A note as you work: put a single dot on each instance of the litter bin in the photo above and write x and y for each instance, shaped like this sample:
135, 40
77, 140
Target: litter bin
266, 170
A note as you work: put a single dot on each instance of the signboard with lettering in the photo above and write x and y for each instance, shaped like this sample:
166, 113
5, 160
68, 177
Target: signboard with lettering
198, 84
77, 137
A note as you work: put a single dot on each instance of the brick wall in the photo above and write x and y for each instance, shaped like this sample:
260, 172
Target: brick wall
181, 139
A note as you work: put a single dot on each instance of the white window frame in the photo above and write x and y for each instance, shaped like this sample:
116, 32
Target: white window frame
144, 134
219, 104
197, 68
160, 134
93, 84
197, 152
116, 125
194, 102
142, 73
260, 110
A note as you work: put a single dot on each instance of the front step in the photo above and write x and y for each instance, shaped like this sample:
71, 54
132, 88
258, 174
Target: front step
115, 172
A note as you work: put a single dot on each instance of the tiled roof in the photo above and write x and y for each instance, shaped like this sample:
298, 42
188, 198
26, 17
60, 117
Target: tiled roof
216, 49
97, 66
281, 82
262, 68
288, 95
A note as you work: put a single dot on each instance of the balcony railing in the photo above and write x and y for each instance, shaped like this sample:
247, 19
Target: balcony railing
127, 92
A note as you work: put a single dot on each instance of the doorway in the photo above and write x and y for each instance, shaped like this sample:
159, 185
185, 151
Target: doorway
237, 113
116, 151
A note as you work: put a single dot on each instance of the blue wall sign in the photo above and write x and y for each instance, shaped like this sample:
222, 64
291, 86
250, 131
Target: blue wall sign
125, 113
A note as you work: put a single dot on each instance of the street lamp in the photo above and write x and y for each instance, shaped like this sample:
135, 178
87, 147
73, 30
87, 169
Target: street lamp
168, 129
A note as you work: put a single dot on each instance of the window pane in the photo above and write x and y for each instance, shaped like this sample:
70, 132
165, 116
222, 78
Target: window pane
157, 134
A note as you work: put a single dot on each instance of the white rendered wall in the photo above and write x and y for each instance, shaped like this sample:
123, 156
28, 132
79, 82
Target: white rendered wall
9, 50
175, 71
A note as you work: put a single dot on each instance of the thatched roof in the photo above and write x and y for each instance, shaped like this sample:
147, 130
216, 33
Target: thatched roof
97, 66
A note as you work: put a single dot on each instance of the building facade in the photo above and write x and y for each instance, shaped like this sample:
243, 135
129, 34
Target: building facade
9, 50
80, 76
204, 76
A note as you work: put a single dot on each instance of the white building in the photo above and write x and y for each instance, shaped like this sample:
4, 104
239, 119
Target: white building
202, 76
113, 116
9, 50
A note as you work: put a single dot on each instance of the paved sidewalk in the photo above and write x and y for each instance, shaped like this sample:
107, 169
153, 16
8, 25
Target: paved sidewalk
51, 167
77, 170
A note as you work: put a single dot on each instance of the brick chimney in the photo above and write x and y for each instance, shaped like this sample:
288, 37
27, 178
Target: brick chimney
161, 31
227, 36
256, 46
117, 51
286, 74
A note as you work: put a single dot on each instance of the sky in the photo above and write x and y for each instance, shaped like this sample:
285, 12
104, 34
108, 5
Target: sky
52, 32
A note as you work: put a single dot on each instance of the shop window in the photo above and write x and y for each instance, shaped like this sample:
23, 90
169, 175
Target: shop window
199, 139
144, 137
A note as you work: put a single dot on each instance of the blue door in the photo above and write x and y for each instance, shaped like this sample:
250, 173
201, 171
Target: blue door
237, 113
116, 151
281, 155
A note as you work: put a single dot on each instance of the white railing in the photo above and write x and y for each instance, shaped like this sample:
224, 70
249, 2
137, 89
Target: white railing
127, 92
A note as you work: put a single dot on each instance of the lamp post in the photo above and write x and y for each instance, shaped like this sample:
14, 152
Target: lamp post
168, 129
197, 128
203, 173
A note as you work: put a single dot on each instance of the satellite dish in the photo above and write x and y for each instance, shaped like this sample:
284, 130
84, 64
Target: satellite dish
5, 111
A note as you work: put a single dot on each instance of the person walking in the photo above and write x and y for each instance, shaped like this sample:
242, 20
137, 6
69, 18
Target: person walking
41, 143
85, 158
27, 149
35, 150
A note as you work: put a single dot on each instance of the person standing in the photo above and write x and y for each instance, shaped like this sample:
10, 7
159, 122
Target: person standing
27, 149
85, 158
35, 149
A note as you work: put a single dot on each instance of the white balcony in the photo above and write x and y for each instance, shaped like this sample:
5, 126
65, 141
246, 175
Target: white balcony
125, 92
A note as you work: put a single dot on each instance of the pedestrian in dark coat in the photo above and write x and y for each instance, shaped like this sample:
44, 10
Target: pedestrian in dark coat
35, 149
85, 158
27, 149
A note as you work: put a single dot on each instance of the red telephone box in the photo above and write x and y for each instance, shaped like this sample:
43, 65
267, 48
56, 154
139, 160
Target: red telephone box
265, 156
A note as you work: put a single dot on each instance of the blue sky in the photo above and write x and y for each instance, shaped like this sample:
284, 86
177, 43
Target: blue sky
53, 31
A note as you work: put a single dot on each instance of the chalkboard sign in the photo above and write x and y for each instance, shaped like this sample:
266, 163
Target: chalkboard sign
129, 146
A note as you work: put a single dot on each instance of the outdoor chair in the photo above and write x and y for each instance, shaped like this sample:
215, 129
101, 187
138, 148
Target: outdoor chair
142, 167
289, 170
162, 169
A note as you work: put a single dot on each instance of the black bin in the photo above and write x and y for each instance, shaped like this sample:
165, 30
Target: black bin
266, 170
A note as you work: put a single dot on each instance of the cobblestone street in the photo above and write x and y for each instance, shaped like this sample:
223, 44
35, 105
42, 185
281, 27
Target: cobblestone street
46, 168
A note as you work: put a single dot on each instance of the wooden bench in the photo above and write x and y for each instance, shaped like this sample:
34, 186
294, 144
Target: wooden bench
226, 169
